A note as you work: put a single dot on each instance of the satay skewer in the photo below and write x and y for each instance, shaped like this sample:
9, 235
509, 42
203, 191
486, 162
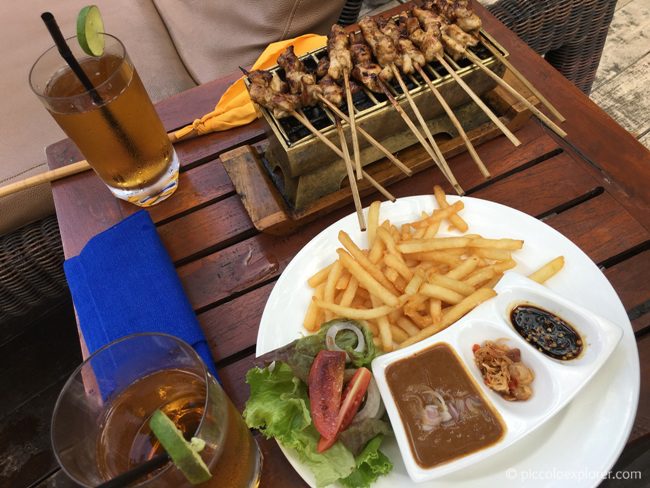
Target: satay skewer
418, 135
337, 111
353, 123
444, 167
350, 171
304, 121
454, 120
556, 113
507, 132
501, 82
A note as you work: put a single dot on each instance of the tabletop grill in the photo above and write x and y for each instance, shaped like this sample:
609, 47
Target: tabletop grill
304, 169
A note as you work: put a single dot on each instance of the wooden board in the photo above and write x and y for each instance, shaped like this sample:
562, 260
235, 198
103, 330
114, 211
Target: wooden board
271, 213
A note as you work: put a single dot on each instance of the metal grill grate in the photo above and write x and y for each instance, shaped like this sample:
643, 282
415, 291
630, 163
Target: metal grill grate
292, 133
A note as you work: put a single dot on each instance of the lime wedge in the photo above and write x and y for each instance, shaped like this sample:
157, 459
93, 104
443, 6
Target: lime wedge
184, 454
89, 29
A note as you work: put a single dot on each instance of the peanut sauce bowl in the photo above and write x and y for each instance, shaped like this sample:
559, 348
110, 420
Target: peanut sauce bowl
415, 381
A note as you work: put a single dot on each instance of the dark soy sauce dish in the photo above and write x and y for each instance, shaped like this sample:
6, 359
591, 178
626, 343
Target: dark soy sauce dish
443, 412
547, 332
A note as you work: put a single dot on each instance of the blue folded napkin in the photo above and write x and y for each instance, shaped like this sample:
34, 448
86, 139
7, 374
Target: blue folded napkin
123, 282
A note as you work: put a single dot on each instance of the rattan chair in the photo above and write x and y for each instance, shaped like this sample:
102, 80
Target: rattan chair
570, 33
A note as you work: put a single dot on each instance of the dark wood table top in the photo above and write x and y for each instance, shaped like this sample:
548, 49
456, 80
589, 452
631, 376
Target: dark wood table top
592, 187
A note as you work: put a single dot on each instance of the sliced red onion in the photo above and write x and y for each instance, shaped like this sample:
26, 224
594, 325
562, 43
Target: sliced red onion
330, 337
374, 407
444, 413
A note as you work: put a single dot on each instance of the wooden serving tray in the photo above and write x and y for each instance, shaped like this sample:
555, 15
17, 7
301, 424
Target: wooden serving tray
270, 212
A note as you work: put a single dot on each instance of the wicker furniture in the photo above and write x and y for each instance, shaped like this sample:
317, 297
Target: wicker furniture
570, 32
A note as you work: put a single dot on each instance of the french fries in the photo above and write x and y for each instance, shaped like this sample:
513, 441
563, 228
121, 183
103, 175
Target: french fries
412, 283
547, 271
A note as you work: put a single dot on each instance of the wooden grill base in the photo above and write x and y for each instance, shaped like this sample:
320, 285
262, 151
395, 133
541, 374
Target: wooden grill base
270, 212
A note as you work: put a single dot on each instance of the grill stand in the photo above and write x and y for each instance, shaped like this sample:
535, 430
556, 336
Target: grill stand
267, 202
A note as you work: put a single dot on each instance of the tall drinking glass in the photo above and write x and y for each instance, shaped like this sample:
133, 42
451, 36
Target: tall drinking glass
115, 125
100, 425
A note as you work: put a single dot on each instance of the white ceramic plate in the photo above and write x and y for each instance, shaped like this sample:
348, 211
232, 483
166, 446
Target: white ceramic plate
579, 444
556, 382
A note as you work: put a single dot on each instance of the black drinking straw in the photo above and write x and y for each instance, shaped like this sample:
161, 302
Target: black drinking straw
66, 54
125, 479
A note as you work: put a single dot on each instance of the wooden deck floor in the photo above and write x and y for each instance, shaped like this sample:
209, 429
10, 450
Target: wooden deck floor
623, 77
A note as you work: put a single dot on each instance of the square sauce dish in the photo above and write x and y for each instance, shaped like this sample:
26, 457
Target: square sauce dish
536, 349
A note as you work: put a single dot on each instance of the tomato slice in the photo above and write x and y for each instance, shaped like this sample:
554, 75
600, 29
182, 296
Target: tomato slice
354, 393
325, 388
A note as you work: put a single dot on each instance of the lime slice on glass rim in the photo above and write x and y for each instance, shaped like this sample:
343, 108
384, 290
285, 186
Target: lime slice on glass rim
90, 29
185, 455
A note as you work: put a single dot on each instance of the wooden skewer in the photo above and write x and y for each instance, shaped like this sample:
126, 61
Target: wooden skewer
540, 115
443, 166
556, 113
353, 123
303, 120
350, 171
411, 125
454, 120
368, 137
63, 172
479, 102
379, 188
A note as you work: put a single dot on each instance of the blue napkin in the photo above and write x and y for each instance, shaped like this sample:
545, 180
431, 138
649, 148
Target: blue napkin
123, 282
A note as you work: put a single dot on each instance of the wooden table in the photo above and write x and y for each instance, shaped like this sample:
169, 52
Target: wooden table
592, 187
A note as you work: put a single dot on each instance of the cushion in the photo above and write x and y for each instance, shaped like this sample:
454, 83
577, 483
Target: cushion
214, 37
25, 125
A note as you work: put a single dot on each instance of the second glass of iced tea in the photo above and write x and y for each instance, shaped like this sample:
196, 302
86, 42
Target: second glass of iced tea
100, 425
115, 125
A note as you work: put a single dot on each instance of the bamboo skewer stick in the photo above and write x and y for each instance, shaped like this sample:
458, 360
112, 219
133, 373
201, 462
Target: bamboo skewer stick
353, 124
405, 169
556, 113
454, 120
303, 120
350, 171
413, 129
46, 177
479, 102
540, 115
443, 166
60, 173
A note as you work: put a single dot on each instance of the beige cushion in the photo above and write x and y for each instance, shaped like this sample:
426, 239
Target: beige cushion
25, 127
215, 37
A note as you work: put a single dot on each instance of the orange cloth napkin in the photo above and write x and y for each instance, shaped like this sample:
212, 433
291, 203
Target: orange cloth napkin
235, 107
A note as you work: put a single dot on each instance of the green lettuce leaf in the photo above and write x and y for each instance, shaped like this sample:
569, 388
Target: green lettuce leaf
278, 403
278, 407
370, 465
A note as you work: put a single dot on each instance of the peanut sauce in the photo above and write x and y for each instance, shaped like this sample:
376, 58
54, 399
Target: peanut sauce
547, 332
444, 414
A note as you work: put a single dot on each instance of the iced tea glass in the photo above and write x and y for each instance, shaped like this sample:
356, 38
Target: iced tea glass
115, 125
100, 424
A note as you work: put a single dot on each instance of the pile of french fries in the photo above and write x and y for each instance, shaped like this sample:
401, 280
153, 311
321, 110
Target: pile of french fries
411, 284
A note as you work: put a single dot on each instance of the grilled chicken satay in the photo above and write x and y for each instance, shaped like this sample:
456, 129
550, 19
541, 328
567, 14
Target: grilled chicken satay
457, 11
322, 67
261, 92
300, 81
411, 56
331, 90
428, 42
382, 46
365, 71
454, 44
338, 48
